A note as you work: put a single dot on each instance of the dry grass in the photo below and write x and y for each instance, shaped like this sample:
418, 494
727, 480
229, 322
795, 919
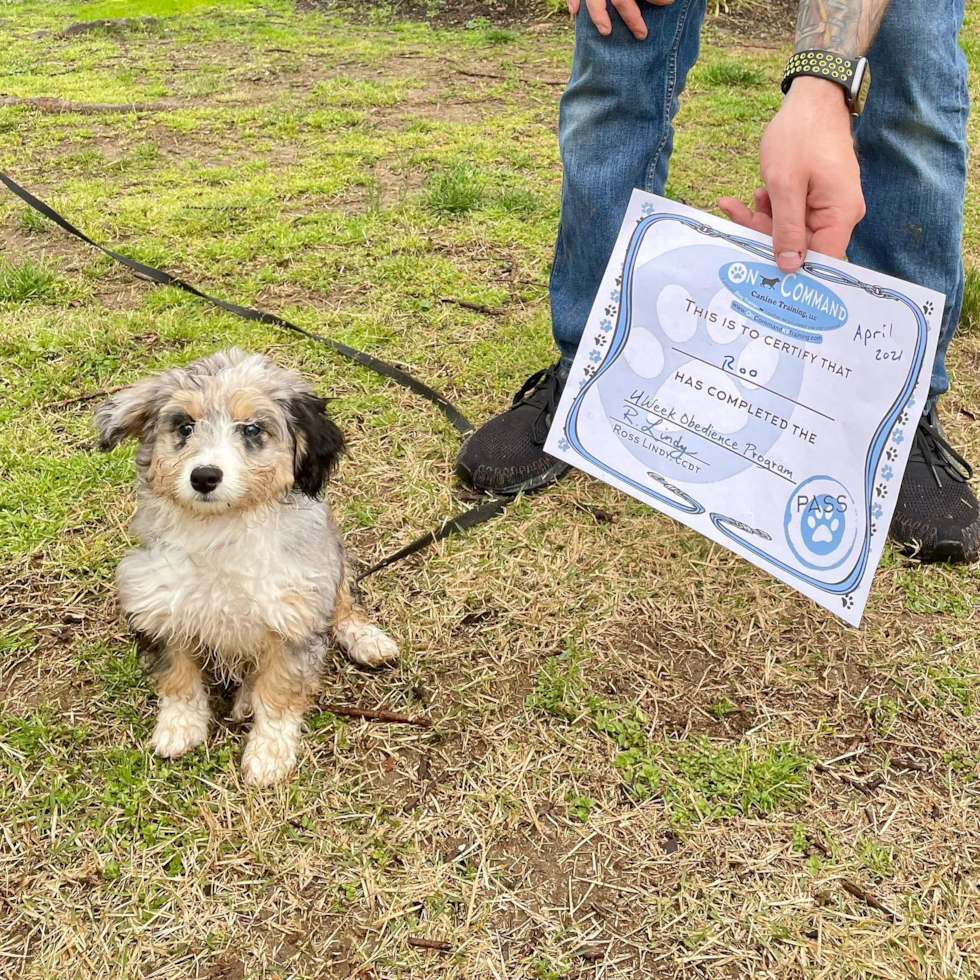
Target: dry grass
648, 759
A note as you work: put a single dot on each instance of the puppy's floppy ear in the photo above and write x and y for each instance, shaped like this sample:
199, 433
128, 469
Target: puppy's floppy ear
127, 414
319, 443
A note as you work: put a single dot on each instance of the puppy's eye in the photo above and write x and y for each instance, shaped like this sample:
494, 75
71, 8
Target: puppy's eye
185, 429
251, 430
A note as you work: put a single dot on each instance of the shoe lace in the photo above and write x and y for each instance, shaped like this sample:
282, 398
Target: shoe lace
930, 447
541, 391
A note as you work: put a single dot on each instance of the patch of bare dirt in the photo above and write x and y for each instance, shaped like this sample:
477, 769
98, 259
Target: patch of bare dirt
769, 22
57, 614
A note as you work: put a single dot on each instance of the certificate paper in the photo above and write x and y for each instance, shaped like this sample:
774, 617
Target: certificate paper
773, 413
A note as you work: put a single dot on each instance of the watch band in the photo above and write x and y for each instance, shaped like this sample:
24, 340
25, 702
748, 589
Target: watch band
826, 64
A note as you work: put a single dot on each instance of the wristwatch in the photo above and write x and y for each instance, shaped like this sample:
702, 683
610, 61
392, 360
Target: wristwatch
852, 74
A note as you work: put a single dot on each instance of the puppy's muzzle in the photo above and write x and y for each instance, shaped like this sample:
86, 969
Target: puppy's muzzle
205, 478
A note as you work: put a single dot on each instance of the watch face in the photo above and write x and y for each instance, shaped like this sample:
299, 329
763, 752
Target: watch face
860, 86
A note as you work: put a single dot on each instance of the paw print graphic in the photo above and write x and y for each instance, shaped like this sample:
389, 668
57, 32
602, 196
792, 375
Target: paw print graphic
583, 383
563, 445
822, 530
874, 529
881, 490
601, 340
847, 601
647, 208
877, 511
614, 295
605, 326
887, 472
610, 311
595, 356
903, 419
898, 436
928, 308
589, 370
891, 454
619, 280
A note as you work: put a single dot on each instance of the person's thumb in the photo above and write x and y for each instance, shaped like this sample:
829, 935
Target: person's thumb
788, 196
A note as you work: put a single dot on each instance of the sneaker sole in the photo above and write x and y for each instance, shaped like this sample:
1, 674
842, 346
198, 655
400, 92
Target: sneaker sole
551, 475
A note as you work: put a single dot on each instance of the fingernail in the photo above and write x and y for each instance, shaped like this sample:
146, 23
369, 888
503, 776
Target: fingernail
790, 257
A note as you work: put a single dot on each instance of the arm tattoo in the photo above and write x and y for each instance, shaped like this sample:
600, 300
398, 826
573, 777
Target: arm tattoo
845, 27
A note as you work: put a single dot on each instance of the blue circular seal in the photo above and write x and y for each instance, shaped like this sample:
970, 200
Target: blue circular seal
821, 523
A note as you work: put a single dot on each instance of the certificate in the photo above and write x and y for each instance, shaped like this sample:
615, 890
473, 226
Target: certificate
773, 413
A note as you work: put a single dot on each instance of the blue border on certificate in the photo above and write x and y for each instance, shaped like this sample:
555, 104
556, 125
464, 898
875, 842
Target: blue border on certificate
688, 504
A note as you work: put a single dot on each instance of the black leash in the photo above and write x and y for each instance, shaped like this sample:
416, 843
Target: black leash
461, 522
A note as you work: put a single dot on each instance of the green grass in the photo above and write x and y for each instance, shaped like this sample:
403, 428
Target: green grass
26, 280
694, 779
970, 318
455, 191
346, 175
732, 73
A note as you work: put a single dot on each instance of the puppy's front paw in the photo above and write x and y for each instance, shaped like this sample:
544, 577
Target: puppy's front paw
369, 646
267, 759
182, 725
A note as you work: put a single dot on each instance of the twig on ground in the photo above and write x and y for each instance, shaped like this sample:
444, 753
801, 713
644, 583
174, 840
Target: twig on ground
907, 764
372, 715
467, 305
867, 898
87, 397
422, 943
44, 103
850, 780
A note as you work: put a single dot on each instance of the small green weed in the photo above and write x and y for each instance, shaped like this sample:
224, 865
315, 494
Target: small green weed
455, 191
722, 708
729, 73
26, 280
559, 690
579, 806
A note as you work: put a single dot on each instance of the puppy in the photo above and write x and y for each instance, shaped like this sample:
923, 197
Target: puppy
241, 571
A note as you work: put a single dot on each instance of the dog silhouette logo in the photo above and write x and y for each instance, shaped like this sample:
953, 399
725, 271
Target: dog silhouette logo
769, 283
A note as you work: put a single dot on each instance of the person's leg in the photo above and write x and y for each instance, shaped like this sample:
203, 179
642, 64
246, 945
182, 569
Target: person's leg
911, 142
615, 135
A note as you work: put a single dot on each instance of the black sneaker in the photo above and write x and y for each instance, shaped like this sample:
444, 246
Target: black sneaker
937, 517
505, 455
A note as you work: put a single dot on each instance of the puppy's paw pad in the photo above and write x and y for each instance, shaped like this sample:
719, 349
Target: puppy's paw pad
177, 734
372, 647
266, 761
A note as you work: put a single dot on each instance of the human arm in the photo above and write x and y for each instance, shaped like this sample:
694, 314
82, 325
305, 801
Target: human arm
812, 196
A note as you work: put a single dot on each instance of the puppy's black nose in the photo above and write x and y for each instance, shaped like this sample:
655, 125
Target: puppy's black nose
205, 478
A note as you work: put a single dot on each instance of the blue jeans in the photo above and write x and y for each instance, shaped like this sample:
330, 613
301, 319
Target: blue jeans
615, 132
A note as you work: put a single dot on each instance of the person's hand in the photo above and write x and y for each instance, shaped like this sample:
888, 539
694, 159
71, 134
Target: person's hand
812, 196
628, 10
